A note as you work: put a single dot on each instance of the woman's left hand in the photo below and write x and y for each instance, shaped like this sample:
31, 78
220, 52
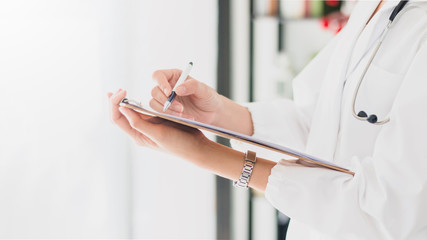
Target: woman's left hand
155, 132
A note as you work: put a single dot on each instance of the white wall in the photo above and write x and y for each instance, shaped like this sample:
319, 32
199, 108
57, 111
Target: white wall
61, 171
172, 199
65, 170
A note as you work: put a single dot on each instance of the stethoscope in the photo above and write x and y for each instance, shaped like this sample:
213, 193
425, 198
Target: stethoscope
362, 114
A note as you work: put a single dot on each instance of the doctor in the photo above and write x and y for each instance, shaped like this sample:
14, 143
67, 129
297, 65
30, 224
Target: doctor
387, 196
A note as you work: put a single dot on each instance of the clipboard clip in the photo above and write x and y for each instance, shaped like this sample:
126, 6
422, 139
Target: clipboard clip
129, 101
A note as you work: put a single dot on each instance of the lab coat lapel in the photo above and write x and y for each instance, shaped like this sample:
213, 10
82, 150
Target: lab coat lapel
369, 36
325, 124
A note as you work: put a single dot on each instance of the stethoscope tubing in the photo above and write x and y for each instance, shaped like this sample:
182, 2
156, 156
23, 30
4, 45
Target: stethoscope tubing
393, 15
363, 75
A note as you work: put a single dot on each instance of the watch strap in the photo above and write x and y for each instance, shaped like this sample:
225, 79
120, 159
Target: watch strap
248, 166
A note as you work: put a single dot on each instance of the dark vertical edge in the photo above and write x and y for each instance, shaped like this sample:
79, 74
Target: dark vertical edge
251, 99
251, 51
223, 186
224, 42
280, 229
280, 27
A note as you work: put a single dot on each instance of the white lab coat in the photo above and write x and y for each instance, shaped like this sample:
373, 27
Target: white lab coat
387, 197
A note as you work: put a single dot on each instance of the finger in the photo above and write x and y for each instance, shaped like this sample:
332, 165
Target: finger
158, 94
114, 103
160, 97
109, 94
117, 97
193, 87
156, 105
166, 79
138, 137
174, 107
139, 124
124, 125
116, 117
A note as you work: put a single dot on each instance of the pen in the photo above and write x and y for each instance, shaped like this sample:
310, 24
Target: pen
181, 79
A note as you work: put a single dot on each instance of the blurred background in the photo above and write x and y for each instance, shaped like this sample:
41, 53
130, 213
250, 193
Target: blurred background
67, 172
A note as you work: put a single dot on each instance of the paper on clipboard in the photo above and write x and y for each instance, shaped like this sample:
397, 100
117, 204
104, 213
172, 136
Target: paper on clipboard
304, 159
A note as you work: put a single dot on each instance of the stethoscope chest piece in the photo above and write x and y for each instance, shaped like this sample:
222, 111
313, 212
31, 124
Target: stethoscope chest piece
371, 118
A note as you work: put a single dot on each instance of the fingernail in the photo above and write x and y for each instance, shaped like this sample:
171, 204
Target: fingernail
166, 91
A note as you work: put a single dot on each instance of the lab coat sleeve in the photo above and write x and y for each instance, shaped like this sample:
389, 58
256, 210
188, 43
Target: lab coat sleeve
387, 197
286, 122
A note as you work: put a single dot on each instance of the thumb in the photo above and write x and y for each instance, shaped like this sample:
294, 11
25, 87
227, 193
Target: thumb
137, 123
192, 87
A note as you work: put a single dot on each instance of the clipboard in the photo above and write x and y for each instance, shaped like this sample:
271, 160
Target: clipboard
303, 159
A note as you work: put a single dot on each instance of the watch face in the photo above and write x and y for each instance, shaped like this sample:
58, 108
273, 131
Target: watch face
250, 156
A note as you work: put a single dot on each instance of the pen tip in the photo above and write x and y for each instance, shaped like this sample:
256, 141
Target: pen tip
166, 106
191, 63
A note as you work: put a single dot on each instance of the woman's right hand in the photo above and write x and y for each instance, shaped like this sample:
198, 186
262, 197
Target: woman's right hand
195, 100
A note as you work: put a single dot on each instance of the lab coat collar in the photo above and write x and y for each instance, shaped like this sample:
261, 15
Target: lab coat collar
369, 36
323, 138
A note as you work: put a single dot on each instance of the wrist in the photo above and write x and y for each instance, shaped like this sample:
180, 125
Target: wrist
204, 148
233, 116
218, 119
228, 163
209, 152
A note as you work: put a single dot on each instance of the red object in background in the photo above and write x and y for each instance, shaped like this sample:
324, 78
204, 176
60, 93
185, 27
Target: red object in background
334, 21
332, 3
324, 22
